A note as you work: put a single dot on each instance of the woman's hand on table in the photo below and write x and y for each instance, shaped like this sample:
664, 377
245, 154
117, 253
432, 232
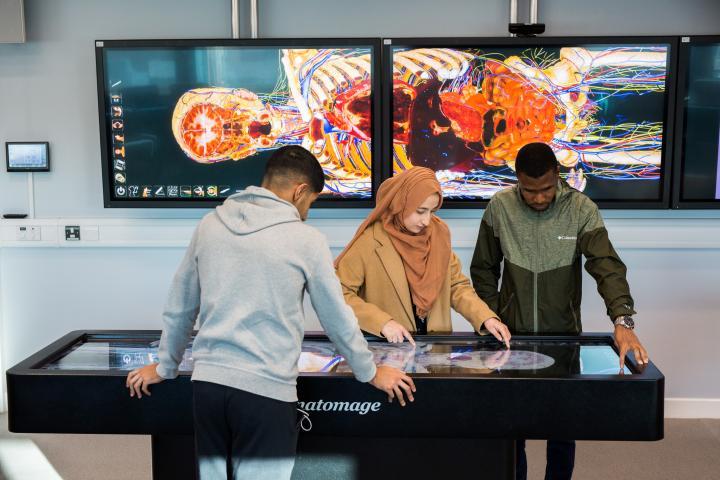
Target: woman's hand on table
498, 329
396, 333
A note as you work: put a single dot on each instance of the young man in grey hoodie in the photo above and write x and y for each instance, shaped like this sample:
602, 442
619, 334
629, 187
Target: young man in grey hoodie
243, 279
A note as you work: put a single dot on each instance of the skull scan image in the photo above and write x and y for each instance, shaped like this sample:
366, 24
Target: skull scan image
322, 101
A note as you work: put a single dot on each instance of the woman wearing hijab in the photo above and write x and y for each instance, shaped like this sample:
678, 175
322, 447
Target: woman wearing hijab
399, 273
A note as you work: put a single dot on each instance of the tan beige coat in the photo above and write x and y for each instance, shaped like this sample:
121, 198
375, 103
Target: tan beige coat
374, 284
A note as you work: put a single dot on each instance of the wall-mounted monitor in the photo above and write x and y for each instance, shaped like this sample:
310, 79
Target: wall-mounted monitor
186, 123
465, 106
697, 152
27, 156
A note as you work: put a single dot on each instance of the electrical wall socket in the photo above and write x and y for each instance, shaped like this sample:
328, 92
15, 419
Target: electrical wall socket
27, 233
72, 232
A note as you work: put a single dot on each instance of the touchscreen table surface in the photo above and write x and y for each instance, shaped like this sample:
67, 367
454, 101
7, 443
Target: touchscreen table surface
446, 357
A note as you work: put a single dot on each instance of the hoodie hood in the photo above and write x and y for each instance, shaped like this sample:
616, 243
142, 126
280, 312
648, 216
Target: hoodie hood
255, 209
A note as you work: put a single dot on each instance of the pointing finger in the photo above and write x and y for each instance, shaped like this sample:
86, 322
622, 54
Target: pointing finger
409, 337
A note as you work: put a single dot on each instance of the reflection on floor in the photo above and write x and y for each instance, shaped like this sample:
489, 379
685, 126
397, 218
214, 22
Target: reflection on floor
689, 451
21, 458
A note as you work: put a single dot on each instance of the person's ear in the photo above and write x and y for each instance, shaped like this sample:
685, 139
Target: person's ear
300, 191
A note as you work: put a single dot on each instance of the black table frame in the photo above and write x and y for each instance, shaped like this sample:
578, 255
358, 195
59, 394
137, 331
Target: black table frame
581, 407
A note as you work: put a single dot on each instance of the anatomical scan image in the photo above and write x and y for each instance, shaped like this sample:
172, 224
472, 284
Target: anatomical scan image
465, 113
321, 99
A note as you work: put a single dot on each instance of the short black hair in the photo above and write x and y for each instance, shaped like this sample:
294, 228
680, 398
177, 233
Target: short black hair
535, 160
293, 162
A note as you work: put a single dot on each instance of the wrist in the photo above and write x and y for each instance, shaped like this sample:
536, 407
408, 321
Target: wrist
373, 380
624, 321
483, 325
164, 372
488, 319
384, 324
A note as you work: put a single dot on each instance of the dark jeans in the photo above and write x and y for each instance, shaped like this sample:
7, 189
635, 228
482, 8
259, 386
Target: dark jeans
241, 435
560, 460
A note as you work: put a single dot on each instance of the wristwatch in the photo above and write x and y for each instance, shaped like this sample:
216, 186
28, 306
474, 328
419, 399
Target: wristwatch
625, 321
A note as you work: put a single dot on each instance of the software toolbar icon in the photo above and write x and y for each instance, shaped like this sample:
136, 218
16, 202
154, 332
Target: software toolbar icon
119, 164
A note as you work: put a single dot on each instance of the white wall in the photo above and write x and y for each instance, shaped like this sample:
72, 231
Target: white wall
48, 92
427, 18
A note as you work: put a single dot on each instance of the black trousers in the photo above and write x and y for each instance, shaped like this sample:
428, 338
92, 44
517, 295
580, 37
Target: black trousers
240, 435
560, 460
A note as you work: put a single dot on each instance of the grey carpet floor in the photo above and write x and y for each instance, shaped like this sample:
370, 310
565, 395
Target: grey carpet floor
690, 450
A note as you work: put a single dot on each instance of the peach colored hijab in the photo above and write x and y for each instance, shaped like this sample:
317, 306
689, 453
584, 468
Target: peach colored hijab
426, 256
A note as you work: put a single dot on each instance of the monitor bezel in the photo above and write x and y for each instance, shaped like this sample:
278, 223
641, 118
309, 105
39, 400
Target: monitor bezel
109, 199
662, 202
678, 202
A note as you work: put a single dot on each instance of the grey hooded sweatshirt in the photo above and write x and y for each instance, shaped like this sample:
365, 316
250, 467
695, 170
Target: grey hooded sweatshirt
243, 278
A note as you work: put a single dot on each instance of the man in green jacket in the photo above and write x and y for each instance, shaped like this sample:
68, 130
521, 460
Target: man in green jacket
540, 229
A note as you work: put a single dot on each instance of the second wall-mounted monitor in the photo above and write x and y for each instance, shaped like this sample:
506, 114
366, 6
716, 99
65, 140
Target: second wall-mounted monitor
465, 106
186, 123
697, 166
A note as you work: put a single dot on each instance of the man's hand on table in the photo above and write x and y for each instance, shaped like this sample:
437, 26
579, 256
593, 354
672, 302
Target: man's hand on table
394, 382
626, 342
140, 379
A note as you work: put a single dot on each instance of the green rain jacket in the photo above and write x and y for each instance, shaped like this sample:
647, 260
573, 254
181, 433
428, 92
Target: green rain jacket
541, 278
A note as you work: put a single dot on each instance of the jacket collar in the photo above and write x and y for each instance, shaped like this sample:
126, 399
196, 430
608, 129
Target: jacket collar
394, 267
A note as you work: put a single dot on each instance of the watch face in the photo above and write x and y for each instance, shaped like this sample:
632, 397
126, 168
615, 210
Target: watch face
626, 321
